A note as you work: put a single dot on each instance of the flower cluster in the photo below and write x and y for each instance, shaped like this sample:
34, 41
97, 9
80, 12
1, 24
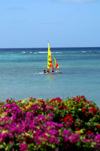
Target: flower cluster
56, 124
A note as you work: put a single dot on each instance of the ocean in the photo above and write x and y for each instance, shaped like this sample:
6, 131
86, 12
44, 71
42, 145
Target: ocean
21, 74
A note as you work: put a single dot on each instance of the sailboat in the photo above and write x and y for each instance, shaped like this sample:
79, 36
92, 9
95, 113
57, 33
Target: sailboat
50, 62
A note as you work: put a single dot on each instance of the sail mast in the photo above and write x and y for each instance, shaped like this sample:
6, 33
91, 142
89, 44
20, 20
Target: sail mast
49, 58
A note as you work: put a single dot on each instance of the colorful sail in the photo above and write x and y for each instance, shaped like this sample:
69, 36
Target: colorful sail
49, 58
56, 64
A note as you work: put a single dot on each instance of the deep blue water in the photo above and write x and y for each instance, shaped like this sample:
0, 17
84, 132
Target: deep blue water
21, 73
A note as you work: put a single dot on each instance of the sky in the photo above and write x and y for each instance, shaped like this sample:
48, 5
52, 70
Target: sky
64, 23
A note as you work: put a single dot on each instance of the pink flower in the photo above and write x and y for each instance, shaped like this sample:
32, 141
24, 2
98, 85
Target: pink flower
97, 140
23, 147
86, 140
52, 139
74, 138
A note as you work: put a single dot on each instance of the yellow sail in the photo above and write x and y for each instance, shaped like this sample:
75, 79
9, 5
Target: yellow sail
49, 58
56, 64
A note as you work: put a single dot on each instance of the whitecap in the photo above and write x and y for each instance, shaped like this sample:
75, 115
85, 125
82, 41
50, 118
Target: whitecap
56, 52
41, 73
84, 51
42, 52
23, 52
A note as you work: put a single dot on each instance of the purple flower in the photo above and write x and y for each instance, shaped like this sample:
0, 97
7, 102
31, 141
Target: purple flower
49, 108
74, 138
11, 136
51, 115
66, 132
60, 125
97, 138
23, 147
86, 140
41, 126
52, 139
43, 106
91, 135
57, 141
37, 143
34, 107
66, 139
68, 124
54, 132
29, 115
97, 141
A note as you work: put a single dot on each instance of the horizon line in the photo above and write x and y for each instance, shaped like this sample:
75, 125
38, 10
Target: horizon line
50, 47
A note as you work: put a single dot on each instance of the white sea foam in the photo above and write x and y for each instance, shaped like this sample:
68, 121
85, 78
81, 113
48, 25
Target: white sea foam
56, 52
41, 73
84, 51
23, 52
42, 52
47, 52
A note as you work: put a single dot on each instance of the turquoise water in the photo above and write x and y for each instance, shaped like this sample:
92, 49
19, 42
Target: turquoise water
21, 74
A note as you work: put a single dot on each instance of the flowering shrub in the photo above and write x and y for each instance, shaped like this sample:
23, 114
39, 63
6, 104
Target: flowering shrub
56, 124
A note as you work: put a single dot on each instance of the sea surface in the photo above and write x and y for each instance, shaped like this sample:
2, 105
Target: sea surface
21, 74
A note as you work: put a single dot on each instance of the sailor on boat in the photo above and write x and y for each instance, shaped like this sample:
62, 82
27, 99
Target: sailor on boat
44, 71
48, 70
52, 70
50, 62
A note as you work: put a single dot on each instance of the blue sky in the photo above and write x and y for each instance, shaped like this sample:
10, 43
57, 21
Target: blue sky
64, 23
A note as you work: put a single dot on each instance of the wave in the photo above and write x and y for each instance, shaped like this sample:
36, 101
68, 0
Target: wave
41, 73
47, 52
23, 52
84, 51
57, 52
60, 52
42, 52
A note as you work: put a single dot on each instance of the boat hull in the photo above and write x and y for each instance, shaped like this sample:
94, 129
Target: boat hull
55, 72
